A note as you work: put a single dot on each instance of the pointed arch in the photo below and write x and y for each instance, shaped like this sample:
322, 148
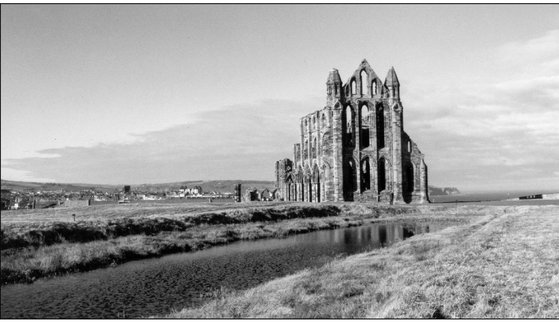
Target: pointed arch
353, 87
364, 133
348, 124
374, 87
364, 81
289, 188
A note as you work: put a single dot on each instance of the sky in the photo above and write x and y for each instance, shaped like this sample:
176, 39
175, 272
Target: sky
130, 94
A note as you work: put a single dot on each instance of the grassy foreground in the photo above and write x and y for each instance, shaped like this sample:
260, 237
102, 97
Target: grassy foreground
502, 264
42, 243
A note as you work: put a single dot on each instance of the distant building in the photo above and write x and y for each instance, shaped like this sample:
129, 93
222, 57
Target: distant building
276, 194
251, 195
265, 195
355, 148
196, 190
238, 193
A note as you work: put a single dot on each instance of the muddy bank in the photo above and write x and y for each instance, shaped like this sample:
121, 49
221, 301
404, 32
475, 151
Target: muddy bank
60, 248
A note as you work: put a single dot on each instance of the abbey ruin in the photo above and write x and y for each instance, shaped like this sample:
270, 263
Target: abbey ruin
355, 148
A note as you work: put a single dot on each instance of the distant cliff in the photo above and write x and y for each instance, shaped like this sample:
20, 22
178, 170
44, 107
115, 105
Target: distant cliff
436, 191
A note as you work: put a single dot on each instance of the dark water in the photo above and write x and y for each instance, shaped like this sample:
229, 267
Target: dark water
156, 286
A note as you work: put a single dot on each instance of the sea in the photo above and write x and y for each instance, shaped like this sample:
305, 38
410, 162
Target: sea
481, 196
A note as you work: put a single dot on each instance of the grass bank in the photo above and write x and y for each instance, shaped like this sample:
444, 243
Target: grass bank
33, 248
503, 264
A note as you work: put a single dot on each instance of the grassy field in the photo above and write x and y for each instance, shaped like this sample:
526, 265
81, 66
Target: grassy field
41, 243
503, 263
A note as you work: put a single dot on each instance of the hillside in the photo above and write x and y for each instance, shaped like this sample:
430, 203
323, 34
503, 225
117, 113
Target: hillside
51, 186
211, 185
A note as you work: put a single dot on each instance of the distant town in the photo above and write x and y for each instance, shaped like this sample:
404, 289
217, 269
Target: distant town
30, 195
23, 195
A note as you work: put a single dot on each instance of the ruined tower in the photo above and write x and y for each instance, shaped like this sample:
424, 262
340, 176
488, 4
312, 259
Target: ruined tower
355, 148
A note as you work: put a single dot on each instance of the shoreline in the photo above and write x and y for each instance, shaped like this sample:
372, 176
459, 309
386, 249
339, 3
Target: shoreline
179, 233
501, 264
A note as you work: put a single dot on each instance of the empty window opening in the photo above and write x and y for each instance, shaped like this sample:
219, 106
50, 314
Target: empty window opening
348, 124
409, 146
364, 82
409, 186
380, 127
381, 175
408, 183
349, 120
364, 134
353, 89
365, 175
349, 182
374, 87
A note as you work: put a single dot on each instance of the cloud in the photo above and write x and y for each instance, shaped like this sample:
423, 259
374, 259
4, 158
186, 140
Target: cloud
494, 131
501, 133
539, 51
238, 141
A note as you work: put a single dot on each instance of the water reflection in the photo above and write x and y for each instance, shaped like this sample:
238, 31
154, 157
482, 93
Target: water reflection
156, 286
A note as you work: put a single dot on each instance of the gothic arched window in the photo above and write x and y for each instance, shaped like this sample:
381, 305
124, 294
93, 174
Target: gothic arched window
364, 82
